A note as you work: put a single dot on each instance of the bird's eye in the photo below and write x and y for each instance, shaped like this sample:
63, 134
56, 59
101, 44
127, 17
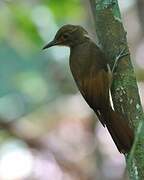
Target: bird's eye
65, 36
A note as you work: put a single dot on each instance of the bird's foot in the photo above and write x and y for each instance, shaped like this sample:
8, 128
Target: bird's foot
120, 56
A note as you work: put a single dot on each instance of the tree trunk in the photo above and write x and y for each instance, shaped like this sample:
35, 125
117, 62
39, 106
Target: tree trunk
112, 39
140, 6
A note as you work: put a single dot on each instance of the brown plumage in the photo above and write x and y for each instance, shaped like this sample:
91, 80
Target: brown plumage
91, 74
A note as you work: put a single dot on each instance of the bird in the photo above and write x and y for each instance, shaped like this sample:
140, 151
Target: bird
93, 77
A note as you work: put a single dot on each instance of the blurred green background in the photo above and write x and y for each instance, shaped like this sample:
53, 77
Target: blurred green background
48, 132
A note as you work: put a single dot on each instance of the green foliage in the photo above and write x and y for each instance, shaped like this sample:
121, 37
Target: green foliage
65, 9
34, 76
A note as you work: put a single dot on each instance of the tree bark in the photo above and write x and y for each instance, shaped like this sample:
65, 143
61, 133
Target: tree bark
126, 100
140, 7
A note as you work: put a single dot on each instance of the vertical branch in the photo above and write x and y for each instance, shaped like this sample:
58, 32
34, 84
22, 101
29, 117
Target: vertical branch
112, 38
140, 7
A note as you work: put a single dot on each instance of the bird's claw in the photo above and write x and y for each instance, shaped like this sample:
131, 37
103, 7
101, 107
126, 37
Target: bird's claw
120, 55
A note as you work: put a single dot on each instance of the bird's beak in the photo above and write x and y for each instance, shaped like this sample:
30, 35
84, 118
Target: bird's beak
50, 44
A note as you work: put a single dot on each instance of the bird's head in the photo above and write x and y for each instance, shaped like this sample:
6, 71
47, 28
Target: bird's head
68, 35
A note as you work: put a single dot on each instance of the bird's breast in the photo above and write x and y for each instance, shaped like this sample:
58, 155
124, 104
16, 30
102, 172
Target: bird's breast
80, 62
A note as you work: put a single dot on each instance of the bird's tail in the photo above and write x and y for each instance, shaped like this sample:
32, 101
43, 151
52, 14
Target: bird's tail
121, 133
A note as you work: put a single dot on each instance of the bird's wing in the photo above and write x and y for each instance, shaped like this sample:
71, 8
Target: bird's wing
95, 89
